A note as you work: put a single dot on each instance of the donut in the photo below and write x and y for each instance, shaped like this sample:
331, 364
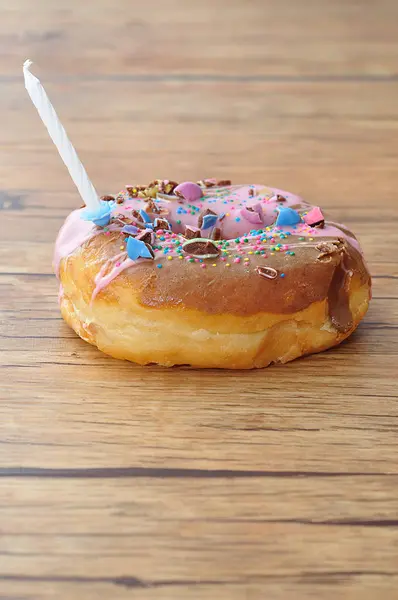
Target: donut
210, 275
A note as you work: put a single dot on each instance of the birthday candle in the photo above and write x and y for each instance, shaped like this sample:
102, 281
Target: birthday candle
96, 207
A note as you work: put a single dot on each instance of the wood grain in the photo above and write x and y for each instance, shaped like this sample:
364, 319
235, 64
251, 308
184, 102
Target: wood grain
121, 482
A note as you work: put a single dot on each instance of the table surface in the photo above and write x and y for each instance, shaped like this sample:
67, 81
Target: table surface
125, 482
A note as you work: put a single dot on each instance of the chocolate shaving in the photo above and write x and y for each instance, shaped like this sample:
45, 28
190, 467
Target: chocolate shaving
191, 232
201, 248
267, 272
151, 207
251, 193
319, 225
207, 183
216, 234
223, 182
205, 212
134, 190
124, 219
328, 249
280, 198
166, 187
137, 216
150, 249
108, 198
146, 236
161, 224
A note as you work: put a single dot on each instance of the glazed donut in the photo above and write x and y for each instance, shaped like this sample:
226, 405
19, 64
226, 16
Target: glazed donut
210, 274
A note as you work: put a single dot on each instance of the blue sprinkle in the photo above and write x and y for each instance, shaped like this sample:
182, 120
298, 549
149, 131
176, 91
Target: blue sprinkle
159, 266
237, 219
282, 274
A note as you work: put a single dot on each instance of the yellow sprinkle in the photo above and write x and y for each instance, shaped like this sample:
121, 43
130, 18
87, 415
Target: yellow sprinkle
268, 229
214, 265
227, 215
311, 239
272, 253
250, 252
180, 257
278, 249
169, 258
227, 265
246, 260
121, 247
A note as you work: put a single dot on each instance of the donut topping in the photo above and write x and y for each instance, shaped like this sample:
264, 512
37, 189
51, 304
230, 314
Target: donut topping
138, 249
201, 248
207, 218
189, 191
267, 272
191, 232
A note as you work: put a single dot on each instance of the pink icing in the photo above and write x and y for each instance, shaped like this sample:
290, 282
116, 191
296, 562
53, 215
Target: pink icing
229, 202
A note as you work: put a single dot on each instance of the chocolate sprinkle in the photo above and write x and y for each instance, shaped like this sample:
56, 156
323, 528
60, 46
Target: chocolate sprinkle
108, 198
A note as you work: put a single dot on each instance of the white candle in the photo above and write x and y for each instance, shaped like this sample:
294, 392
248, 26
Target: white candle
61, 140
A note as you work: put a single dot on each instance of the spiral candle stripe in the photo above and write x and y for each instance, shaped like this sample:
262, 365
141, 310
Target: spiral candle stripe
60, 139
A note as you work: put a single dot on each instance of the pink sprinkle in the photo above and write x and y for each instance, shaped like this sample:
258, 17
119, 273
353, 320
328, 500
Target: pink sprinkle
117, 264
236, 260
107, 233
197, 259
203, 266
222, 258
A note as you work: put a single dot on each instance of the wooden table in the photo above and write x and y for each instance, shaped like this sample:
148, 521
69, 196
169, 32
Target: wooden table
123, 482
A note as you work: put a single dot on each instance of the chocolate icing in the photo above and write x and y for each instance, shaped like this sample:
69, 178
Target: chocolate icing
338, 297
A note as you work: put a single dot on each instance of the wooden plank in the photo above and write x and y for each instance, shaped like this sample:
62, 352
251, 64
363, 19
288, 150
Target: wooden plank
222, 38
